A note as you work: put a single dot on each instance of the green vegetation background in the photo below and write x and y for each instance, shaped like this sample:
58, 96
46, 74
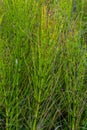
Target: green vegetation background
43, 65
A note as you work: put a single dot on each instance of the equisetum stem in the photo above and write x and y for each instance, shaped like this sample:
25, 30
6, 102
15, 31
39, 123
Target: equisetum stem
36, 112
7, 122
36, 115
17, 109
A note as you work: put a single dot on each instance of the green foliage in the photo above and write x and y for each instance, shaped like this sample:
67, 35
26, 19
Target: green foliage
42, 66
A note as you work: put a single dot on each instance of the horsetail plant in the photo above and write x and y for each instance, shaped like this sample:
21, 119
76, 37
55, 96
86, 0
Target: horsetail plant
42, 66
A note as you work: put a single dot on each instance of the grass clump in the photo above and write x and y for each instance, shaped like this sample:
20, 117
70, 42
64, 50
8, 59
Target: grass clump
43, 66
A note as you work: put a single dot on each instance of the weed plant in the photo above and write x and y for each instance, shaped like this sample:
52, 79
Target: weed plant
43, 66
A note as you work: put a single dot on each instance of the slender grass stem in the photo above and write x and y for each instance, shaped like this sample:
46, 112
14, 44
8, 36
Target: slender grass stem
36, 111
7, 119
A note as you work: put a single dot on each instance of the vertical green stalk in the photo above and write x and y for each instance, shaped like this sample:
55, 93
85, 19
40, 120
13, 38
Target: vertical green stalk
17, 94
39, 69
73, 116
37, 110
17, 62
7, 115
